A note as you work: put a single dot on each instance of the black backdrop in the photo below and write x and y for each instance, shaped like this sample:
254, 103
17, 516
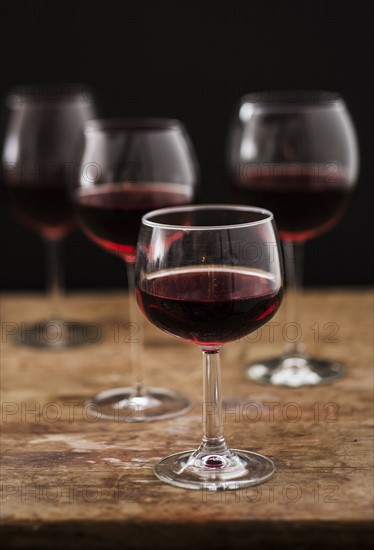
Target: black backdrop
192, 60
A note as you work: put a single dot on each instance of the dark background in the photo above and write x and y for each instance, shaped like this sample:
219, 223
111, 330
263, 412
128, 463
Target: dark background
193, 60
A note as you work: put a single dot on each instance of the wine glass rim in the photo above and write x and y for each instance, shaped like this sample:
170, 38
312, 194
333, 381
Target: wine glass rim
148, 222
132, 124
293, 98
49, 94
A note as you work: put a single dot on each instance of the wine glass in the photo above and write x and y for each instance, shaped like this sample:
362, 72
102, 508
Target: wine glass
198, 279
43, 144
296, 154
129, 167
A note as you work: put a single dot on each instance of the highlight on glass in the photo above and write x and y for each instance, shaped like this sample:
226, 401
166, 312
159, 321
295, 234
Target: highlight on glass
198, 279
129, 167
294, 152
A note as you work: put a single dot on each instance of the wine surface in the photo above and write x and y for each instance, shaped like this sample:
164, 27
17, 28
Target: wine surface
304, 205
44, 208
111, 214
209, 305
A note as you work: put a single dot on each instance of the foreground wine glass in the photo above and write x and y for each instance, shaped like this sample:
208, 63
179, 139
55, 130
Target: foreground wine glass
296, 154
210, 275
129, 167
42, 149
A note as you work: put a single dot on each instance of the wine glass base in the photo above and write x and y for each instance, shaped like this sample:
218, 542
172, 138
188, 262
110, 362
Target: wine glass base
55, 334
294, 372
232, 470
122, 404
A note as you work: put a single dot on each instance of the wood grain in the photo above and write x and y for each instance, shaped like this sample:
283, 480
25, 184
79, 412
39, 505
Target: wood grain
70, 480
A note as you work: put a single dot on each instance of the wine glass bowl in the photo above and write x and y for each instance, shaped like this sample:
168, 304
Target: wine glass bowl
139, 165
129, 167
43, 144
196, 280
296, 153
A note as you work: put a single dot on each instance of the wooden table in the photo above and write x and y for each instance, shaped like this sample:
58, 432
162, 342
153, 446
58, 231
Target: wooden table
72, 481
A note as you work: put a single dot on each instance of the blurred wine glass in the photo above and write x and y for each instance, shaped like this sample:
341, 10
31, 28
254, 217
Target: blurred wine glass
131, 166
296, 153
43, 143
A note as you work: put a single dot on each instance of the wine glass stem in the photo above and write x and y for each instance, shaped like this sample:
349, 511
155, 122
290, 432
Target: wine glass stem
136, 332
213, 441
55, 285
294, 264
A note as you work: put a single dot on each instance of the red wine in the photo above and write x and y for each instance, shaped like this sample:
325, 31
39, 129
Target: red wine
304, 205
44, 208
209, 305
111, 214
